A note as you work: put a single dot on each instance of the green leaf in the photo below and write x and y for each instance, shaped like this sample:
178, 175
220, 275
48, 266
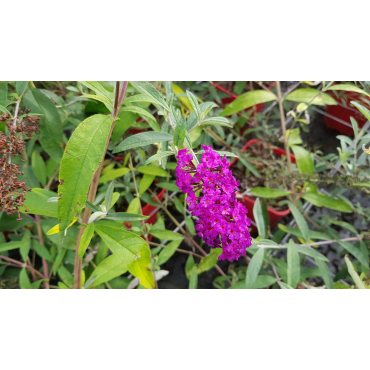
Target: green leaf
269, 192
124, 216
108, 269
82, 156
209, 261
113, 174
304, 160
166, 235
41, 250
139, 98
310, 96
24, 281
325, 273
86, 239
250, 167
308, 251
193, 281
353, 273
254, 268
145, 182
312, 234
300, 220
284, 286
190, 225
344, 224
20, 86
131, 249
4, 110
355, 252
167, 252
217, 121
346, 87
157, 156
189, 266
194, 103
168, 186
257, 213
221, 153
262, 281
102, 99
38, 167
362, 109
99, 90
65, 276
142, 139
134, 206
247, 100
145, 114
179, 135
51, 132
25, 248
126, 120
108, 195
149, 90
320, 200
36, 203
152, 170
293, 271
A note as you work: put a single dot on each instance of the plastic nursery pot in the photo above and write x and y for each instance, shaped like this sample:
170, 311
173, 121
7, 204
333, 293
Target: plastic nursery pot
344, 113
225, 101
274, 216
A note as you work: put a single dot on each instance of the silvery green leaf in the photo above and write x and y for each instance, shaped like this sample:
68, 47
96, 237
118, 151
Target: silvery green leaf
96, 215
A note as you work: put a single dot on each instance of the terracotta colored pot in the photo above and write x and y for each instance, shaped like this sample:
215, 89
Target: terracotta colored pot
274, 216
344, 113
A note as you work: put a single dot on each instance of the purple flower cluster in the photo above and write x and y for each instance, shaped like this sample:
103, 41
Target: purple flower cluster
222, 220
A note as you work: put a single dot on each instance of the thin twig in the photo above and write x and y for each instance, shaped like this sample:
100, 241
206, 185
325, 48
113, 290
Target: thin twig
44, 262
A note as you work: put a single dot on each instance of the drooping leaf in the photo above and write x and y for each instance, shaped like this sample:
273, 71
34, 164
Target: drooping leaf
124, 216
347, 87
308, 251
108, 269
157, 156
269, 192
293, 271
42, 251
145, 114
209, 261
152, 170
247, 100
353, 273
320, 200
325, 273
194, 103
254, 268
304, 160
355, 252
310, 96
142, 139
139, 98
113, 174
257, 213
81, 159
167, 252
145, 182
166, 235
300, 220
362, 109
36, 203
86, 239
24, 281
51, 133
129, 248
217, 121
149, 90
168, 186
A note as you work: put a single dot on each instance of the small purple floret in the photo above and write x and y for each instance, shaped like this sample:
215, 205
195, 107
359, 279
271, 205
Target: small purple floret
222, 220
